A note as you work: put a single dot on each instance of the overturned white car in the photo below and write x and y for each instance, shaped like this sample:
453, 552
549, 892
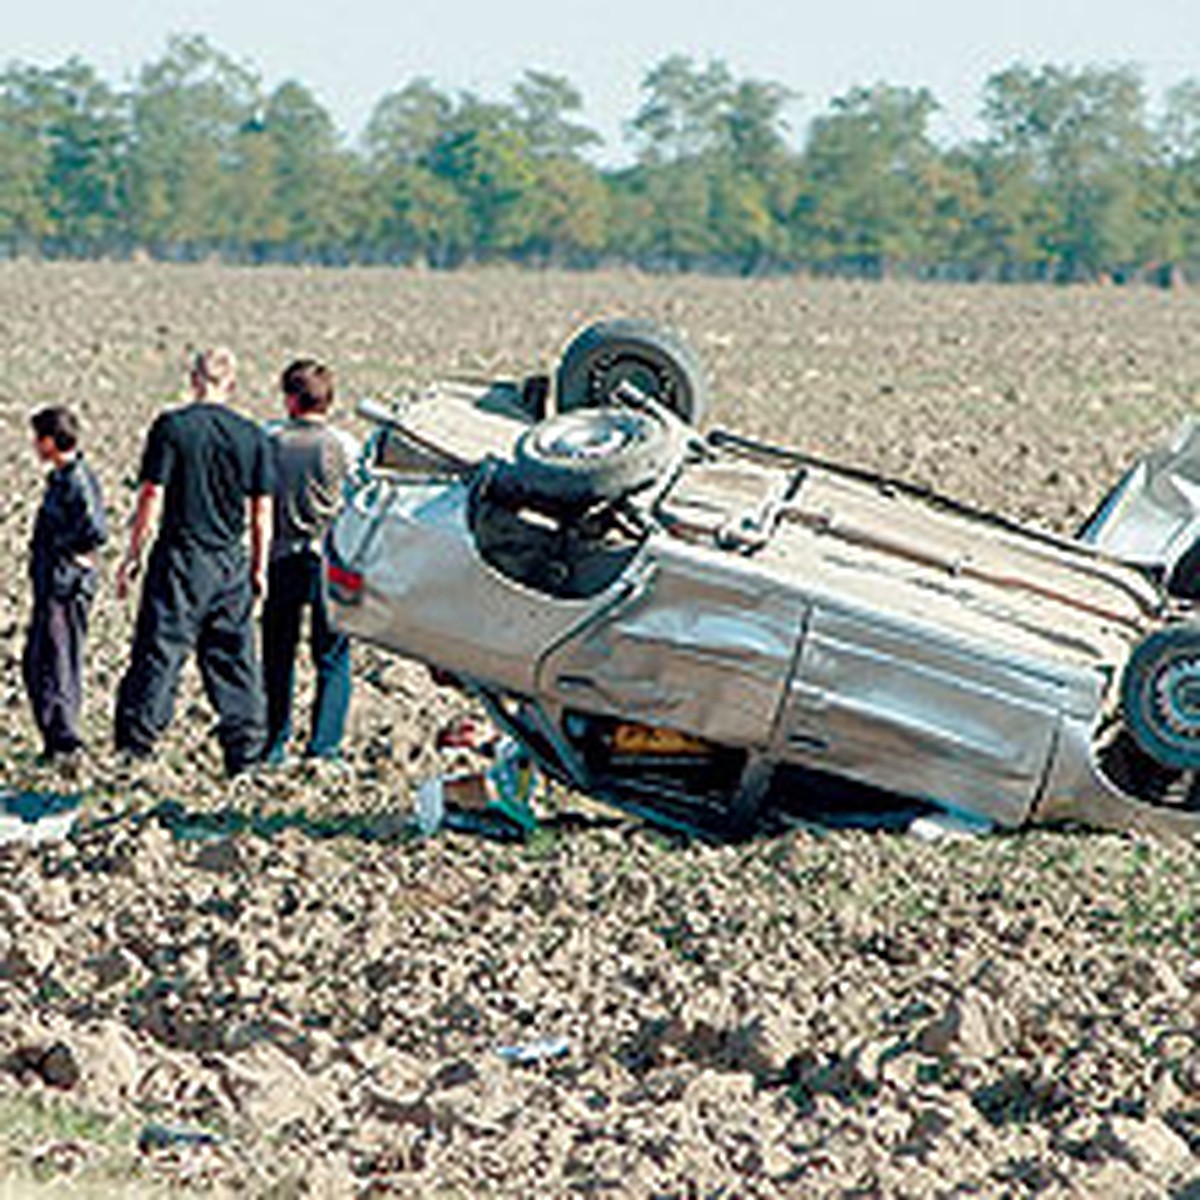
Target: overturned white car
699, 627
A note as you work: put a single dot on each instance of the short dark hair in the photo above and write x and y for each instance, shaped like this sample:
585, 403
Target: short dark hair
310, 384
58, 423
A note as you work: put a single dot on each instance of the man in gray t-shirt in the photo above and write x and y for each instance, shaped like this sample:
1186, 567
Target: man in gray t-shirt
312, 462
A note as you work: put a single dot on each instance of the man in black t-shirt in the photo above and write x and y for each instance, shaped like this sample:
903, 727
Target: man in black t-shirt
208, 470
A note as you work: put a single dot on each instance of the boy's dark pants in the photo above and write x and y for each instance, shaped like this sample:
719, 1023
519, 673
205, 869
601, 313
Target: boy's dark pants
198, 599
295, 583
53, 667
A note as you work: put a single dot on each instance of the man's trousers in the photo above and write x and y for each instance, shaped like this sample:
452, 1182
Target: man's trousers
194, 599
52, 666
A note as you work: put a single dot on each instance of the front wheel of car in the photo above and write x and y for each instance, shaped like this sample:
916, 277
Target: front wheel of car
1160, 696
578, 459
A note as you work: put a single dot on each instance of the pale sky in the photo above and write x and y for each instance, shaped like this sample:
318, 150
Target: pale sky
351, 52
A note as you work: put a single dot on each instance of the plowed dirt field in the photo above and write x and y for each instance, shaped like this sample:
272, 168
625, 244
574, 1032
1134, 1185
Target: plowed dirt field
318, 1010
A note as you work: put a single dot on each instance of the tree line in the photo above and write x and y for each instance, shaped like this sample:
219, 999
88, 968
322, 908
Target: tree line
1071, 178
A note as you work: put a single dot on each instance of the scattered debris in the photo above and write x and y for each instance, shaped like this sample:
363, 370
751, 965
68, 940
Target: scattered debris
941, 826
539, 1050
466, 733
494, 802
34, 818
164, 1137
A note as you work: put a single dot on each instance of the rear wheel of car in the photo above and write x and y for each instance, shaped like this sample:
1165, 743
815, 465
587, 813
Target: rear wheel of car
610, 353
577, 459
1160, 696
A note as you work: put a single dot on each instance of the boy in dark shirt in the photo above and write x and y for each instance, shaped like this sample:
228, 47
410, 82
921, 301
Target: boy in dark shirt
69, 527
311, 463
208, 470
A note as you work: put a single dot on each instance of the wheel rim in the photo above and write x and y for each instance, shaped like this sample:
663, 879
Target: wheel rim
1161, 697
1176, 699
609, 371
587, 437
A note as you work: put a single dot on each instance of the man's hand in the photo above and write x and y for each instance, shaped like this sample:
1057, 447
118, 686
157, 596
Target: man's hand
144, 517
260, 540
127, 572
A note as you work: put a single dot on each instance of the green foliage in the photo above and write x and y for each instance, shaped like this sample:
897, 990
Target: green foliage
751, 127
407, 125
1079, 140
420, 216
571, 216
681, 115
485, 157
61, 140
191, 109
1072, 180
545, 108
868, 167
24, 220
1173, 183
666, 214
311, 180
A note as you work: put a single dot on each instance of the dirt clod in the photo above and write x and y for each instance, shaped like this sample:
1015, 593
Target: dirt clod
54, 1065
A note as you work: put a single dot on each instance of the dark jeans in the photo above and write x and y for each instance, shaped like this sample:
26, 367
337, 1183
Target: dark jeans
194, 599
52, 666
294, 584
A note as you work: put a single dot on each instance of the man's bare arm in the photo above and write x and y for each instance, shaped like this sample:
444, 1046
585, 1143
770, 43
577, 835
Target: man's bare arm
145, 517
260, 541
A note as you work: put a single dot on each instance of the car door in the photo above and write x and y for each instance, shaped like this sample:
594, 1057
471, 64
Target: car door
706, 645
898, 705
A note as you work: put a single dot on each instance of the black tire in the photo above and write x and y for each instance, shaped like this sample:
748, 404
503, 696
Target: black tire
578, 459
1184, 579
657, 363
1160, 696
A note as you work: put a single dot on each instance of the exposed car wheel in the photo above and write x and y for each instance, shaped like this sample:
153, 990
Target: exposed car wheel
609, 353
580, 458
1160, 696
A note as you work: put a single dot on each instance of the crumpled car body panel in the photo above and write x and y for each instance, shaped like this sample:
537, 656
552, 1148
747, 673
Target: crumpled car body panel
705, 652
1152, 516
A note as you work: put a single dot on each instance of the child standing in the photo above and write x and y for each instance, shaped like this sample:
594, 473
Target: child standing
69, 527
